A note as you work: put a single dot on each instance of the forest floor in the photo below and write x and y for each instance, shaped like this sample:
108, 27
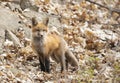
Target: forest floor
92, 31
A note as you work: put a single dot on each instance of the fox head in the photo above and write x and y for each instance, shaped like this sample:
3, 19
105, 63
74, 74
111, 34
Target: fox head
39, 29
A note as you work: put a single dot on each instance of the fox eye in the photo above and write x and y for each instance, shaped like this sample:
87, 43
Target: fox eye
44, 30
37, 30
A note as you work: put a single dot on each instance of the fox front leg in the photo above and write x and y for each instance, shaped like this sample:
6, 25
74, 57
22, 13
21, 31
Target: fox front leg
47, 65
44, 64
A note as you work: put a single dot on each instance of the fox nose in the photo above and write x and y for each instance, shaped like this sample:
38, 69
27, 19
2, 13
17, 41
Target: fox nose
39, 34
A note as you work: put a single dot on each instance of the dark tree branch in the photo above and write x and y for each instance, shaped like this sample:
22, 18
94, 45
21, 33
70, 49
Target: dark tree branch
109, 8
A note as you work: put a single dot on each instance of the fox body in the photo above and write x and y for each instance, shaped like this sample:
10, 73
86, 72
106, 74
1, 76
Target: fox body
49, 44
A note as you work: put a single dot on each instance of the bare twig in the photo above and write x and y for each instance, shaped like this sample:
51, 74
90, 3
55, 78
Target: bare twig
109, 8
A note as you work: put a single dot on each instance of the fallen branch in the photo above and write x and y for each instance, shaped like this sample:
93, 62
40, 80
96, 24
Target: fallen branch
116, 25
12, 1
12, 37
109, 8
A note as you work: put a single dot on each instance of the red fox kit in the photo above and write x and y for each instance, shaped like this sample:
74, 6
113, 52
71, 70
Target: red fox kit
48, 44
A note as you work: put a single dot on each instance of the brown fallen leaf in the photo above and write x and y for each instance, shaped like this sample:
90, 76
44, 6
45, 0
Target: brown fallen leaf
1, 73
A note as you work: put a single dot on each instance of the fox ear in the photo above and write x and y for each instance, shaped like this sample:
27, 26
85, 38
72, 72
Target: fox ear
46, 21
34, 21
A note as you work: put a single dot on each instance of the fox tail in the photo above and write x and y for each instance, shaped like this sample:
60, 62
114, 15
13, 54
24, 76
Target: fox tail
71, 59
